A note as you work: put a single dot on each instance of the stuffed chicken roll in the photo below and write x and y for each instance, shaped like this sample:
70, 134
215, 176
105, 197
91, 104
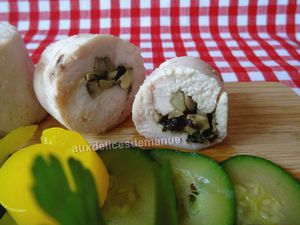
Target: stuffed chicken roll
88, 81
183, 98
18, 103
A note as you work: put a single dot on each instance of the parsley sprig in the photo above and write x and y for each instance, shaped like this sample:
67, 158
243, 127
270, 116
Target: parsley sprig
54, 195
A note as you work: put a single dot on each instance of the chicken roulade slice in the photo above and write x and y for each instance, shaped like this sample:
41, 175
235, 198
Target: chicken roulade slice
19, 105
88, 81
183, 104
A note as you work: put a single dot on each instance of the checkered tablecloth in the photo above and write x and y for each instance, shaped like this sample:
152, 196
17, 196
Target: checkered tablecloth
246, 40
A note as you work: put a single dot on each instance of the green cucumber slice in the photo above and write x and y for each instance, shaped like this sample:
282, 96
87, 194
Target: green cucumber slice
204, 192
136, 189
265, 193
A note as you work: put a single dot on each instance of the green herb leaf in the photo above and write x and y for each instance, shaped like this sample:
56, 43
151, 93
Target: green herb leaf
7, 220
54, 194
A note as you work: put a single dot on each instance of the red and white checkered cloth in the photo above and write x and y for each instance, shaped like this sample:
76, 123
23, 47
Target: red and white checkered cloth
246, 40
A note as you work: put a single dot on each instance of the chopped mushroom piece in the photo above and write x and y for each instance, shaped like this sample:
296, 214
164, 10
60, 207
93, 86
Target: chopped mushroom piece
189, 103
200, 127
105, 75
126, 80
177, 101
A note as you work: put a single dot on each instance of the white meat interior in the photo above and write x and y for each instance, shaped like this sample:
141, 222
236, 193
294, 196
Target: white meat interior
194, 78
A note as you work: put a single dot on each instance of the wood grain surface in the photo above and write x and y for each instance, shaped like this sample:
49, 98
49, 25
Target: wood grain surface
264, 120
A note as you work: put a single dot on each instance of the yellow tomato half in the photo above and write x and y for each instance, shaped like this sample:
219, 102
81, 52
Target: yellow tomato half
16, 180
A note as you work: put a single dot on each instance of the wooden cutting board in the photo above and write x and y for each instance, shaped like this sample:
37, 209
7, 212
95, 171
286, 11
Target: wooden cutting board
264, 120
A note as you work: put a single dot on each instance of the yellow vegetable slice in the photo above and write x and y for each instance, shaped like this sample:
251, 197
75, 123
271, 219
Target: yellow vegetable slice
16, 178
16, 181
15, 140
65, 138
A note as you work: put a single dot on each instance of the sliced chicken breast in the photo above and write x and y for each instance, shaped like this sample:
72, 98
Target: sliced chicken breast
88, 81
183, 99
19, 105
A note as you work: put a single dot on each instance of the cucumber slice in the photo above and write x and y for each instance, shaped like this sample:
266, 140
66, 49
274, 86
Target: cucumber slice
136, 189
204, 191
265, 193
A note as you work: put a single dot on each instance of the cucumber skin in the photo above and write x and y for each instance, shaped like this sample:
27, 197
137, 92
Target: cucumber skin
232, 220
264, 161
166, 207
